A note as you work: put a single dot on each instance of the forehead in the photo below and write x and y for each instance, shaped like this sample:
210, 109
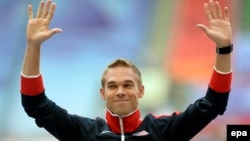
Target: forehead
120, 73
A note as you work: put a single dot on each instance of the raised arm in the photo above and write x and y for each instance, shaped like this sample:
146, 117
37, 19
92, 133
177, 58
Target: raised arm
37, 32
199, 114
219, 31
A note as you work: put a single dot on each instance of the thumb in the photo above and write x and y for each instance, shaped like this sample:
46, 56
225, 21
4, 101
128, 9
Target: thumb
203, 27
54, 31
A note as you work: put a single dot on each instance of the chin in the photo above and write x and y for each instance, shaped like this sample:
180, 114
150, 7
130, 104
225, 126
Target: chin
121, 113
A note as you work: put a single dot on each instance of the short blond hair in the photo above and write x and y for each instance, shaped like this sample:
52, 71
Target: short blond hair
124, 63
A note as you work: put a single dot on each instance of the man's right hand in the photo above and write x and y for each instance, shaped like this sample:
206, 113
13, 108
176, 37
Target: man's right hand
38, 28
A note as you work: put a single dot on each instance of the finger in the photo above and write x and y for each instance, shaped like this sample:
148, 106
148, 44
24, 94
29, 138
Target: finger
218, 10
30, 12
51, 12
40, 10
54, 31
226, 14
212, 9
207, 12
203, 27
46, 10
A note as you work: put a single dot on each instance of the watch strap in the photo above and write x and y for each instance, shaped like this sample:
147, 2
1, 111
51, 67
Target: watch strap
224, 50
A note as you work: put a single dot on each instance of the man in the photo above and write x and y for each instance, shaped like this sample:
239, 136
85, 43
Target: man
122, 87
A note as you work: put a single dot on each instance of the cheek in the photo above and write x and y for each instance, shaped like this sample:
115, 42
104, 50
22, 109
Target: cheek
134, 93
109, 95
134, 96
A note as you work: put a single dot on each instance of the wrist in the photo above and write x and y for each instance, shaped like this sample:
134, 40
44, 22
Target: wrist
223, 43
33, 43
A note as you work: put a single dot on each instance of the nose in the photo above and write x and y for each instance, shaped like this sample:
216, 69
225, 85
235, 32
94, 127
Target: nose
120, 92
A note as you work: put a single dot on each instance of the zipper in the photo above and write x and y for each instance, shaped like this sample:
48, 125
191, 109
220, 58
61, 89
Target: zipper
122, 129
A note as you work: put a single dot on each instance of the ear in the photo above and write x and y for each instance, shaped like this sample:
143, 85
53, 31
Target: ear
141, 91
102, 93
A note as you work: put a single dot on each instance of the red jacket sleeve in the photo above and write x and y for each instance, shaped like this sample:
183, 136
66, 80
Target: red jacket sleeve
220, 82
32, 86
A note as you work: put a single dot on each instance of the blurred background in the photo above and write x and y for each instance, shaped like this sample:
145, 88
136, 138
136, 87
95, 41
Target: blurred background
176, 59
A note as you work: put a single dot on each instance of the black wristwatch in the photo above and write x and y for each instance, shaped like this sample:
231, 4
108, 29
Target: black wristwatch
224, 50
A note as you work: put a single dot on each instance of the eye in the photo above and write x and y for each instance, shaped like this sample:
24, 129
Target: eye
128, 85
111, 86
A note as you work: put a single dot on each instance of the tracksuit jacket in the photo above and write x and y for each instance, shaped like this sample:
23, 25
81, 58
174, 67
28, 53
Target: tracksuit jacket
175, 127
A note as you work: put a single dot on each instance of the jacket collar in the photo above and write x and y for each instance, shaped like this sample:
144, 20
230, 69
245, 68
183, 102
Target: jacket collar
130, 122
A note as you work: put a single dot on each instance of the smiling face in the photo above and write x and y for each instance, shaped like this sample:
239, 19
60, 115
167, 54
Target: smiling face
121, 90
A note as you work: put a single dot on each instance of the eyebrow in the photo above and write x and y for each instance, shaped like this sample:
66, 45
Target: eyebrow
126, 81
111, 82
129, 81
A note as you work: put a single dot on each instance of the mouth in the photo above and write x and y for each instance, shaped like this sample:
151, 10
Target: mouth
121, 100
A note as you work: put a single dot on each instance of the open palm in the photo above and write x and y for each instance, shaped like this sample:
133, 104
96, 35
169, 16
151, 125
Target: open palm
38, 27
219, 28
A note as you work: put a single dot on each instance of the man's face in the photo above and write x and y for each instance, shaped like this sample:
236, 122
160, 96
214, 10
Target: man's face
121, 90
